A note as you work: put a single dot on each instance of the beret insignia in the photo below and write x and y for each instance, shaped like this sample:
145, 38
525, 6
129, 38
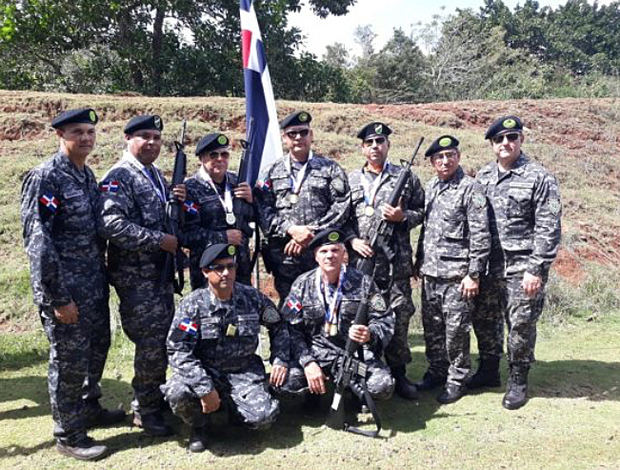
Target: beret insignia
222, 140
445, 142
333, 237
231, 250
509, 123
379, 128
303, 117
92, 116
157, 122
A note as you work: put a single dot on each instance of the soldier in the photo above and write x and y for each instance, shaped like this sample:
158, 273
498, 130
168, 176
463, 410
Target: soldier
212, 344
209, 215
452, 254
320, 309
134, 195
371, 186
300, 194
67, 272
525, 213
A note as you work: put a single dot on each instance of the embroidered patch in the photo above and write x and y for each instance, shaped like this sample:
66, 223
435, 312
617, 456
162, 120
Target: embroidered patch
92, 116
231, 250
555, 206
188, 327
157, 122
50, 201
378, 128
74, 193
445, 142
509, 123
333, 236
303, 117
222, 139
264, 185
109, 187
191, 207
294, 305
271, 315
377, 303
478, 200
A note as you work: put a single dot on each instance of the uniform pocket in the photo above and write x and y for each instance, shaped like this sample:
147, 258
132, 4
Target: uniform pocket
248, 325
210, 328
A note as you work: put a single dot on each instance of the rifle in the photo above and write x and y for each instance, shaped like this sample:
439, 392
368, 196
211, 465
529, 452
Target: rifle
243, 210
347, 367
173, 219
381, 231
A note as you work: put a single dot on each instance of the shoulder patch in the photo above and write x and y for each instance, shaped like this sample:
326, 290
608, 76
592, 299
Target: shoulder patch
186, 329
292, 309
50, 202
377, 303
555, 206
109, 187
191, 207
479, 200
271, 315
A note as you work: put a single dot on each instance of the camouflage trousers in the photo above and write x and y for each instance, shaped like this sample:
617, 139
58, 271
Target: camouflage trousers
244, 391
397, 352
146, 313
503, 299
446, 318
379, 381
77, 357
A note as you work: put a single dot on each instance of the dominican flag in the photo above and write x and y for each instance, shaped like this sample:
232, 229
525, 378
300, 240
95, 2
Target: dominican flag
109, 187
260, 115
50, 201
188, 326
294, 305
191, 207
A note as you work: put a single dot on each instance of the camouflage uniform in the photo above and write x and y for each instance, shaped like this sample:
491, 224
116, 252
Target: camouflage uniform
525, 213
397, 352
455, 242
59, 214
304, 309
205, 224
212, 345
323, 202
133, 221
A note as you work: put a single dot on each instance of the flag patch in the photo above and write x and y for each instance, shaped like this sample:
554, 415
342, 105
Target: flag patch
294, 305
188, 326
50, 201
191, 207
109, 187
264, 185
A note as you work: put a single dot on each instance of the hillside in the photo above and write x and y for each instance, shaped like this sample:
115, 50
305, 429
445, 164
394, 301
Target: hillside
578, 139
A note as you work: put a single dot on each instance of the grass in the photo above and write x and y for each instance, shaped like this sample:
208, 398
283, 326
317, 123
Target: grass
569, 422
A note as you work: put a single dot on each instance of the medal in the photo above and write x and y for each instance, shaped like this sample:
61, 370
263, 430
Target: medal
230, 218
293, 198
369, 211
231, 330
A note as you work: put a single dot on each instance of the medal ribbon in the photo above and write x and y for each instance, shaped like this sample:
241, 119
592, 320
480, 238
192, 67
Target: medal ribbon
296, 182
227, 201
370, 189
331, 302
158, 185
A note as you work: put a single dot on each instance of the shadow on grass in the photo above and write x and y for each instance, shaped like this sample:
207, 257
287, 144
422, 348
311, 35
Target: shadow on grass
20, 359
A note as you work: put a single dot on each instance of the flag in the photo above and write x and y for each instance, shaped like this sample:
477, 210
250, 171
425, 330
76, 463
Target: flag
262, 129
191, 207
109, 187
188, 326
50, 201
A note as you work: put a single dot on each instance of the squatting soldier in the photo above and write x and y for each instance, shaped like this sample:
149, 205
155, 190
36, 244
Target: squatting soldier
452, 254
59, 206
212, 344
320, 309
134, 195
300, 194
525, 212
209, 215
371, 186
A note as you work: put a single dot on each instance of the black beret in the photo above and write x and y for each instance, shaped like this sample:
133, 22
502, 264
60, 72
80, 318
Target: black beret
374, 128
215, 252
212, 141
71, 116
326, 237
503, 125
442, 143
146, 121
298, 118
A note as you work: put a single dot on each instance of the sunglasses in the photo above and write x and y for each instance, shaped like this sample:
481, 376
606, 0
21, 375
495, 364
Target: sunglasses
220, 268
371, 142
301, 133
498, 139
446, 155
215, 155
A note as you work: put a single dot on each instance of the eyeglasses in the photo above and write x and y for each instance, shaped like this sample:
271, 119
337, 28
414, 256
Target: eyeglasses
220, 268
301, 133
215, 155
371, 142
498, 139
446, 155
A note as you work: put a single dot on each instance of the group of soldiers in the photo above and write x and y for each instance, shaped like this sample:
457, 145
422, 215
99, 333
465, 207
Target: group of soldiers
483, 256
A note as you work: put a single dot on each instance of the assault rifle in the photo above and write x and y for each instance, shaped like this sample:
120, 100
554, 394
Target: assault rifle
381, 231
173, 219
346, 370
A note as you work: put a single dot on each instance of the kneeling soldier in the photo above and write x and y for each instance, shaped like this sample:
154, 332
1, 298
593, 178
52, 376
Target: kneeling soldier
211, 347
452, 253
320, 309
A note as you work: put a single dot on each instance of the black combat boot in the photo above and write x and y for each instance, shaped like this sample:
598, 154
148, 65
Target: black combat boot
404, 388
487, 374
81, 448
430, 381
516, 388
152, 423
198, 439
97, 416
451, 393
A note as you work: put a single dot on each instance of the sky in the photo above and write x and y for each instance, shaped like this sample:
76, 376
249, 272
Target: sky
383, 16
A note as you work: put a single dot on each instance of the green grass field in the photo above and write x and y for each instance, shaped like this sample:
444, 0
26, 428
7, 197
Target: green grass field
570, 422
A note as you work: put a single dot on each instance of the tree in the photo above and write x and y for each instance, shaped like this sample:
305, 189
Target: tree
337, 55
